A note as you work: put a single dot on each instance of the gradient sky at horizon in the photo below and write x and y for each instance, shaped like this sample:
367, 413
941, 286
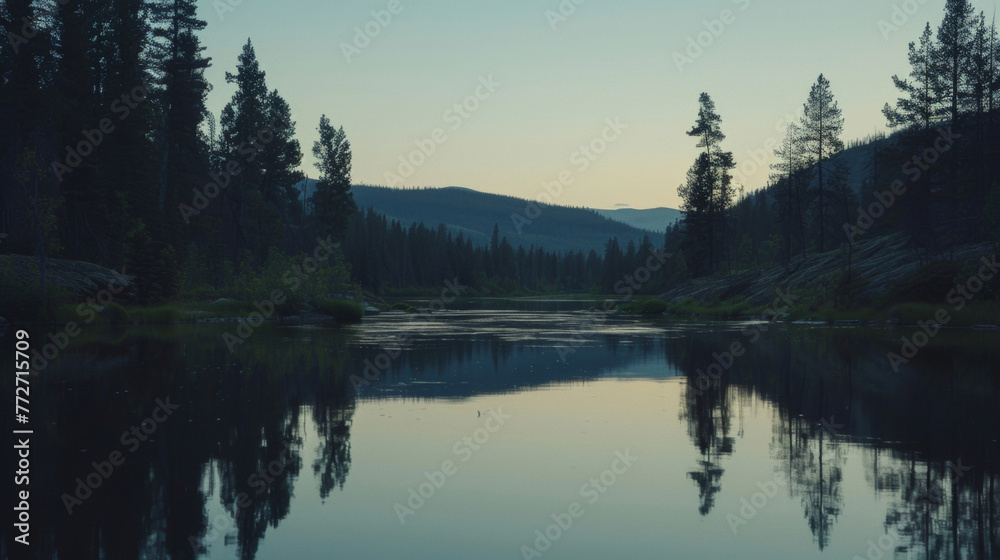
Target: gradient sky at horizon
607, 60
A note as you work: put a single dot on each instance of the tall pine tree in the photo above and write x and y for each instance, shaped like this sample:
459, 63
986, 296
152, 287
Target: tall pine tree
822, 125
708, 193
333, 203
922, 103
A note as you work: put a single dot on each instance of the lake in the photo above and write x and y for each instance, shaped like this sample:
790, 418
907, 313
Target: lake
524, 433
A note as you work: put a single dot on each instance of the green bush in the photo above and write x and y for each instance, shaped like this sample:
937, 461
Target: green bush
344, 311
403, 307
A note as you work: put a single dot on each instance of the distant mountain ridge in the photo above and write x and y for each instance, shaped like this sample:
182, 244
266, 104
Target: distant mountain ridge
652, 219
558, 228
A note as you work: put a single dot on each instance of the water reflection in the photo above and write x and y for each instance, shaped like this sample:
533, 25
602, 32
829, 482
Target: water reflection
921, 430
926, 435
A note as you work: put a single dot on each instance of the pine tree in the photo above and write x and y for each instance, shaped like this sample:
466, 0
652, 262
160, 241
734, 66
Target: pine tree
333, 202
280, 157
24, 153
182, 90
846, 201
921, 105
822, 125
698, 207
708, 193
951, 57
791, 172
243, 127
612, 271
980, 69
981, 78
131, 162
76, 109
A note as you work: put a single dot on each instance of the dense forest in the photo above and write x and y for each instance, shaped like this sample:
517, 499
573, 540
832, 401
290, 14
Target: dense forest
419, 258
109, 156
474, 213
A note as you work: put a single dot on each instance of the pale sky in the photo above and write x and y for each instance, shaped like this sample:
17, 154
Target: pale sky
555, 90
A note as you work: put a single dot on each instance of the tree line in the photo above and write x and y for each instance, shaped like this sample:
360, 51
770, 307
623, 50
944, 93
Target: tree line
109, 154
390, 258
932, 179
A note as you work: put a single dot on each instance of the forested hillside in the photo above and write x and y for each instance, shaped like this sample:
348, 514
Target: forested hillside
934, 179
473, 213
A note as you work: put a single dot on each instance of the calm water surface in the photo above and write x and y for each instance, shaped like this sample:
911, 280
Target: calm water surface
464, 435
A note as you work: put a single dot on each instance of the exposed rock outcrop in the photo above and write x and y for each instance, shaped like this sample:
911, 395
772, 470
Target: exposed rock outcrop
881, 261
78, 278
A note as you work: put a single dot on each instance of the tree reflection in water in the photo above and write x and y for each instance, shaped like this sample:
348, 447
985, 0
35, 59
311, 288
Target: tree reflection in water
240, 412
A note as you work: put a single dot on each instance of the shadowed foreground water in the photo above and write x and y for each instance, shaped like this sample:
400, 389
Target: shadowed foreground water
470, 438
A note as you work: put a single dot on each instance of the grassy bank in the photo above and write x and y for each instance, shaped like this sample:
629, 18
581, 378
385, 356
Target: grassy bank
81, 294
950, 292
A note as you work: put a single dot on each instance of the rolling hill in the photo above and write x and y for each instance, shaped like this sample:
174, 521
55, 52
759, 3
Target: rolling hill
558, 228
